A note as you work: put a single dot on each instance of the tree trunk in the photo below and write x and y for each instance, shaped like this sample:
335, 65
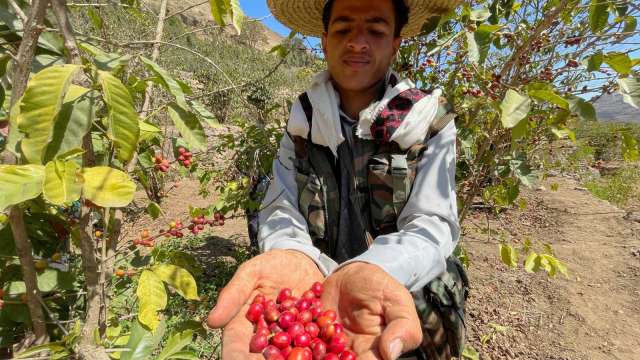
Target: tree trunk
95, 293
22, 68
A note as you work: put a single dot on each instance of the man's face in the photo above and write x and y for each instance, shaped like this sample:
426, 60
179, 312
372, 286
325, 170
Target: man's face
360, 44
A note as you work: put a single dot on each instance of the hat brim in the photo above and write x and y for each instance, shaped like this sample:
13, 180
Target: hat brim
305, 16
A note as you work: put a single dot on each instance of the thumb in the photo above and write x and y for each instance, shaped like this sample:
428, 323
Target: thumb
232, 298
400, 336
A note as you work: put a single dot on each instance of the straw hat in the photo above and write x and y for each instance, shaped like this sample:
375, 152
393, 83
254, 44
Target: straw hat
305, 16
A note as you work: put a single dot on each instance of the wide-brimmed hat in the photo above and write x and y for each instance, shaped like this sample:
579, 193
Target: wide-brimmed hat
305, 16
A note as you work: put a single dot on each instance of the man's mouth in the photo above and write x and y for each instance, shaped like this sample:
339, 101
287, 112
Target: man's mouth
356, 61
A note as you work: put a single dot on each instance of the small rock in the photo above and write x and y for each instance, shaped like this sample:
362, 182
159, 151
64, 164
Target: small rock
541, 188
632, 216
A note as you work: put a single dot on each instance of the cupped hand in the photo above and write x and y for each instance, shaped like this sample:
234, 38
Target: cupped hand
377, 312
265, 274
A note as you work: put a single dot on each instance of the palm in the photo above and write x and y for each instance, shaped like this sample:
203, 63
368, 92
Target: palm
266, 274
367, 301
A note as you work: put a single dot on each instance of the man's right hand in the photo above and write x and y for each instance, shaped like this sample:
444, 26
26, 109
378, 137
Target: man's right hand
265, 274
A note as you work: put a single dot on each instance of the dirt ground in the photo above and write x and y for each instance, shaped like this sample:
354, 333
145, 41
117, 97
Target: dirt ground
594, 314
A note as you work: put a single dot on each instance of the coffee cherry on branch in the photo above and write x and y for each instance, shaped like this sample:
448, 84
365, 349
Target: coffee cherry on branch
185, 157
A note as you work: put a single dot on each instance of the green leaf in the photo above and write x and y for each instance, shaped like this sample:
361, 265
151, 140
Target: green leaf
530, 263
479, 42
107, 187
184, 355
481, 14
74, 121
154, 210
167, 81
582, 108
103, 60
143, 342
152, 298
595, 61
598, 15
630, 90
189, 127
469, 353
175, 344
48, 280
179, 279
629, 147
544, 92
95, 18
515, 107
619, 62
124, 128
237, 16
564, 133
205, 114
148, 131
19, 183
508, 255
62, 182
39, 108
219, 10
53, 347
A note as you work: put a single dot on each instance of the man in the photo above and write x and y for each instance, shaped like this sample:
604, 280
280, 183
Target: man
363, 193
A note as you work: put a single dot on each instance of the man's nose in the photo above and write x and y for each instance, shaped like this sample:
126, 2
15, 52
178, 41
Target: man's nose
358, 41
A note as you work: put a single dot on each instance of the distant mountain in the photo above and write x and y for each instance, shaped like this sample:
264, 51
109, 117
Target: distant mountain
612, 108
199, 14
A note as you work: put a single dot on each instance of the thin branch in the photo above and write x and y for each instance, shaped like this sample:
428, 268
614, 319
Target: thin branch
211, 62
186, 9
46, 308
26, 52
19, 12
154, 55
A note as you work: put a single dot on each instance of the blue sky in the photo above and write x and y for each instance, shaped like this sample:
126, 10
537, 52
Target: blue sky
258, 9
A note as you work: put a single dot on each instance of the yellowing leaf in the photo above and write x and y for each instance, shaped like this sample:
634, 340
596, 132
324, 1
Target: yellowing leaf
62, 182
152, 298
179, 279
107, 187
124, 128
515, 107
508, 255
530, 263
39, 108
19, 183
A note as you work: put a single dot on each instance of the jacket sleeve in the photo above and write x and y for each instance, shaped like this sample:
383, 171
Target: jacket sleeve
428, 225
281, 225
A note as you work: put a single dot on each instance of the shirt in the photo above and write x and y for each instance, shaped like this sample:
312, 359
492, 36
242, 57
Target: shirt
428, 224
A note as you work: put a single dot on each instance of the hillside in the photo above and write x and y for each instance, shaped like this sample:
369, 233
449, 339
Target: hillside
199, 15
612, 108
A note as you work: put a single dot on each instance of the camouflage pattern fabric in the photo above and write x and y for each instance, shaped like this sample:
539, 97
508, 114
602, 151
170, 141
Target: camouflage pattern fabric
382, 183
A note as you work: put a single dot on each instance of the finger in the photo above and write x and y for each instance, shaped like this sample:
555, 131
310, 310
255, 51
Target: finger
400, 336
233, 297
236, 337
403, 332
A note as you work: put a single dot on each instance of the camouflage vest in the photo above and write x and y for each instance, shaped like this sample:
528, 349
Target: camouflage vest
382, 178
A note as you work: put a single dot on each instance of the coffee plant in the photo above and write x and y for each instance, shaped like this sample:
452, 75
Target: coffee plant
87, 121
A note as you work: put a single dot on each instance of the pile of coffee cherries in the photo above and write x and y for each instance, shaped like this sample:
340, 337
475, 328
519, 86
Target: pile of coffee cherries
185, 157
294, 328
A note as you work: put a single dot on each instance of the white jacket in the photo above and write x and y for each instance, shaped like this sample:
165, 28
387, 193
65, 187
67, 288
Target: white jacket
428, 224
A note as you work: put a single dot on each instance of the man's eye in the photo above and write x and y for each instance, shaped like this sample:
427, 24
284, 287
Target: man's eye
342, 31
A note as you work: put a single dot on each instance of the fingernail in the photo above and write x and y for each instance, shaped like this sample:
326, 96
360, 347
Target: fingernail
395, 349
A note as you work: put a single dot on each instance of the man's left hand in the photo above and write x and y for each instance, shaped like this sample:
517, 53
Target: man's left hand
378, 313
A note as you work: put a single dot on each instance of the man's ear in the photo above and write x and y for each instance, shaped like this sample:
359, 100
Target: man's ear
397, 41
324, 44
